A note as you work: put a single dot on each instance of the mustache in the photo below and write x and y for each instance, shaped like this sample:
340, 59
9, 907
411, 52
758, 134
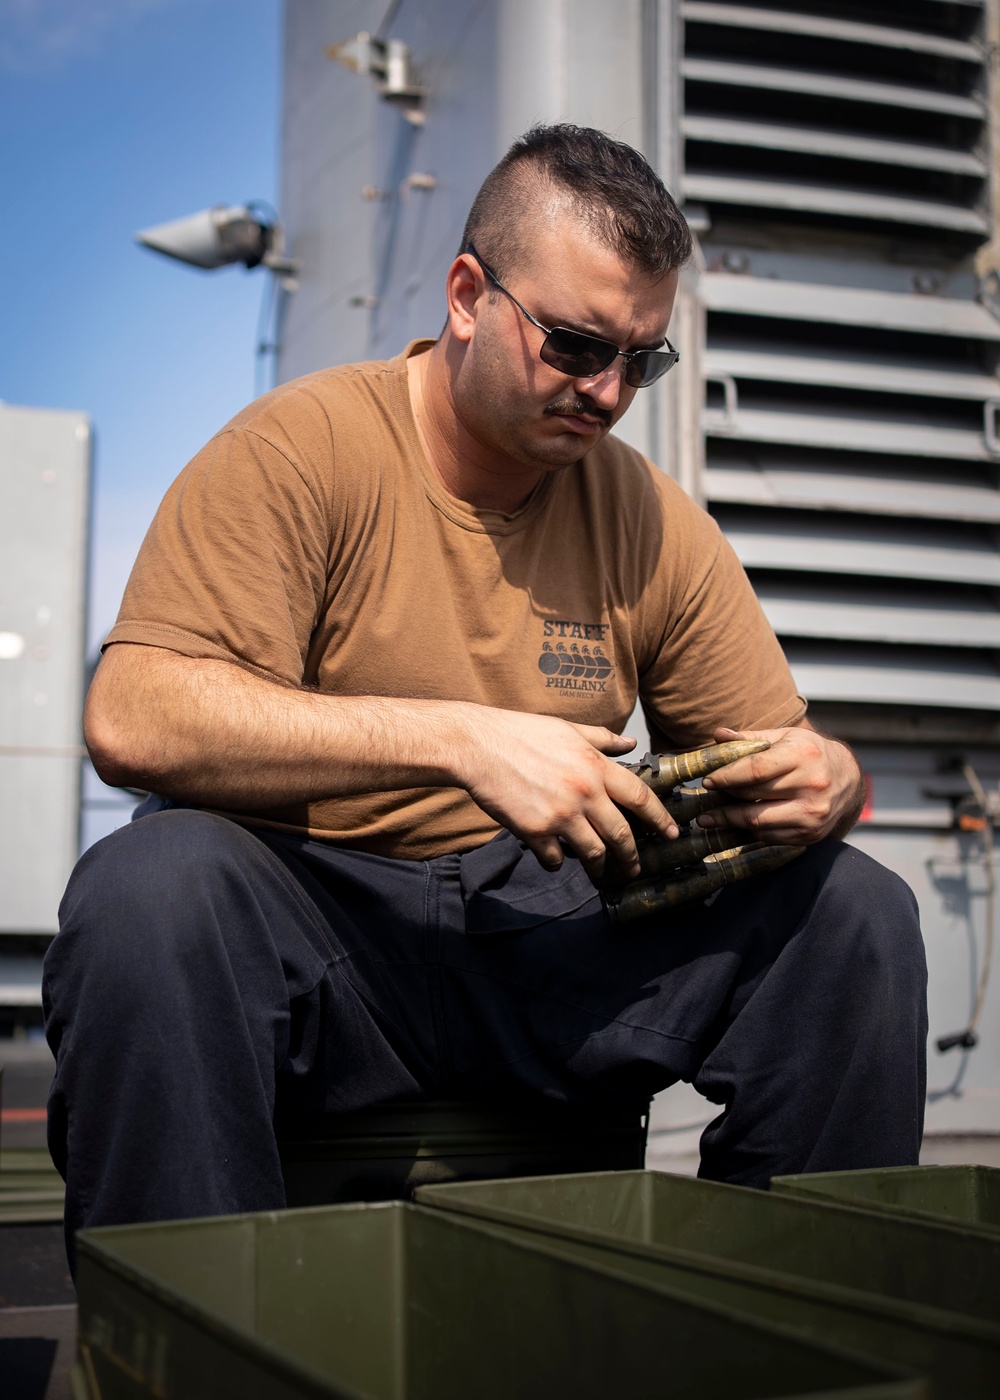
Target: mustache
579, 405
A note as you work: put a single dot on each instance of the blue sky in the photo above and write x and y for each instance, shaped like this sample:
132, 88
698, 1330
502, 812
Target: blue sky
115, 115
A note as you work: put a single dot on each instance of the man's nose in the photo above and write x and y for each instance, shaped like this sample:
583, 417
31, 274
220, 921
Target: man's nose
603, 389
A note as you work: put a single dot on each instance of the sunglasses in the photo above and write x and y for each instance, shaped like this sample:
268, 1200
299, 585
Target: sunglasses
585, 356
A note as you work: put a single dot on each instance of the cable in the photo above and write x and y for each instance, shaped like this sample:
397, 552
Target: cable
972, 778
954, 1089
967, 1039
265, 341
388, 19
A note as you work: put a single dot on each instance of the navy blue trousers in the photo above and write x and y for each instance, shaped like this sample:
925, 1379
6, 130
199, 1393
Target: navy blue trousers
203, 971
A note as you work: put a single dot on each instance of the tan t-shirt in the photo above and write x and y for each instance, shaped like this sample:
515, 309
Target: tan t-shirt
311, 543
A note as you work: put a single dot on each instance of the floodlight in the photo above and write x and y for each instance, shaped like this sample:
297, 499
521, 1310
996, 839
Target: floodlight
224, 234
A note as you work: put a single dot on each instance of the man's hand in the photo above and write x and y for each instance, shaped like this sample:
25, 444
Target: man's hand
548, 781
805, 787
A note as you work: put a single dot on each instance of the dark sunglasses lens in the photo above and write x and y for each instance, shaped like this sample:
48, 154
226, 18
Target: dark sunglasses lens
579, 355
647, 366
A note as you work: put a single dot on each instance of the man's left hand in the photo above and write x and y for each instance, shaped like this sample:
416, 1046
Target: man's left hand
805, 787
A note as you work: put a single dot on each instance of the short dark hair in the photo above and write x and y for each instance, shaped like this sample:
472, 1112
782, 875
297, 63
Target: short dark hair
614, 189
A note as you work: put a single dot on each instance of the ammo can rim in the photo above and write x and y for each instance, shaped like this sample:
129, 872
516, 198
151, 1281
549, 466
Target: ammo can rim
857, 1300
802, 1186
796, 1187
828, 1202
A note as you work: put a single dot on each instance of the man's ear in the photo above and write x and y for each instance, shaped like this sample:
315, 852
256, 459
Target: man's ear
465, 287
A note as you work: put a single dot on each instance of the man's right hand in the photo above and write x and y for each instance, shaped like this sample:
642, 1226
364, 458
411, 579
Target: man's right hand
549, 781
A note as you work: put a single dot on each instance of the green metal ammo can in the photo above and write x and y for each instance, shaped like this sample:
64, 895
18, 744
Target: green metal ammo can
902, 1290
967, 1196
393, 1302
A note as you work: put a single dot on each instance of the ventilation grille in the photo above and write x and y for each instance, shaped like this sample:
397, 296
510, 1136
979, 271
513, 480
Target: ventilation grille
819, 116
852, 407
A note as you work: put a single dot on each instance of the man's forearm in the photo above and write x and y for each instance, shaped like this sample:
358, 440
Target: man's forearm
216, 735
212, 733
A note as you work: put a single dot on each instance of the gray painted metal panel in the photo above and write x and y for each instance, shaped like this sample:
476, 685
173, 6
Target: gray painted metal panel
946, 871
822, 27
851, 433
856, 681
44, 508
895, 675
375, 246
815, 263
329, 120
909, 784
843, 306
828, 368
844, 145
829, 548
842, 89
20, 982
549, 57
869, 490
828, 199
849, 615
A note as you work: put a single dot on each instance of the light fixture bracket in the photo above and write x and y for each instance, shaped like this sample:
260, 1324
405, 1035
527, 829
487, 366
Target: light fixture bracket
389, 62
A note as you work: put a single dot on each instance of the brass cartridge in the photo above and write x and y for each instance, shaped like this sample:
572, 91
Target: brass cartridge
647, 897
663, 772
684, 804
657, 856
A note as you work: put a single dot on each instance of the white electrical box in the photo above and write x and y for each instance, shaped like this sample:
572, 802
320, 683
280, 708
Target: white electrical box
44, 515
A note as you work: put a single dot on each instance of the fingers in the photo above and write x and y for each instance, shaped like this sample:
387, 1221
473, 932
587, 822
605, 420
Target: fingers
605, 740
785, 794
600, 834
603, 843
753, 823
547, 851
758, 775
556, 785
599, 852
630, 792
799, 821
794, 759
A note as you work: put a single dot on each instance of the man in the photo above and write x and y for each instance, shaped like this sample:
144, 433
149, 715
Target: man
347, 663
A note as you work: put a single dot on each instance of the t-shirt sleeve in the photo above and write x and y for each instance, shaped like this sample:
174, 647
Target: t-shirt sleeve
234, 564
716, 661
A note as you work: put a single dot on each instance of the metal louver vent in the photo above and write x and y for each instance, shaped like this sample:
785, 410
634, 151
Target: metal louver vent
852, 412
827, 118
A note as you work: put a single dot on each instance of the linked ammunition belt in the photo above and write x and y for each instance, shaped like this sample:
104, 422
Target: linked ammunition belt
701, 860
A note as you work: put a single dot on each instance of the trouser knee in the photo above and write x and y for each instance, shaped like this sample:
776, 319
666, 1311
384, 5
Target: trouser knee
148, 900
872, 914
